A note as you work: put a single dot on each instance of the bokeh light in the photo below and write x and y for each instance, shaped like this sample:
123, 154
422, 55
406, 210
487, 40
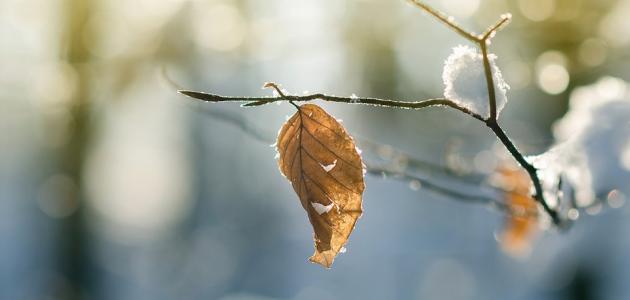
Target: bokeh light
114, 186
537, 10
552, 73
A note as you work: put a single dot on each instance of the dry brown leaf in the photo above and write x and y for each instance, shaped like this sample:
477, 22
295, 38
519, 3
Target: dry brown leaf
521, 223
320, 159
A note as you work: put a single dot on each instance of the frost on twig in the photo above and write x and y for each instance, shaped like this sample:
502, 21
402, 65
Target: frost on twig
465, 81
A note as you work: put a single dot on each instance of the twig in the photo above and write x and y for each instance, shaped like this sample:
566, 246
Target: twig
489, 81
448, 21
503, 20
374, 170
531, 170
412, 164
455, 195
257, 101
483, 41
240, 122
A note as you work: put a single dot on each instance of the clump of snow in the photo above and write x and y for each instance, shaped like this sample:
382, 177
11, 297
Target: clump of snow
322, 209
584, 101
465, 81
557, 169
594, 136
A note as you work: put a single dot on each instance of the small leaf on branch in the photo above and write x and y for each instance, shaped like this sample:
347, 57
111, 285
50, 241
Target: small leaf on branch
320, 159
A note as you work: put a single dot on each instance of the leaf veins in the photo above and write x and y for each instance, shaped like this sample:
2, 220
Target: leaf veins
320, 159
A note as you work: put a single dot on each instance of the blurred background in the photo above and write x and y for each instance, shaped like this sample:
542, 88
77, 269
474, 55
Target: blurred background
113, 186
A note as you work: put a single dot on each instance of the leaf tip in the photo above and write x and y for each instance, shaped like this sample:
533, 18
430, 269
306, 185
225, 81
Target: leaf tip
321, 259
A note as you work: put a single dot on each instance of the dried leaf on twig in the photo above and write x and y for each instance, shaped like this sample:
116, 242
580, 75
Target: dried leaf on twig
321, 161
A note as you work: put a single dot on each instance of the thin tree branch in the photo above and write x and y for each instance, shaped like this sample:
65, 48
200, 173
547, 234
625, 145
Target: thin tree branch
448, 21
466, 197
503, 20
531, 170
240, 122
257, 101
492, 202
412, 164
492, 99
